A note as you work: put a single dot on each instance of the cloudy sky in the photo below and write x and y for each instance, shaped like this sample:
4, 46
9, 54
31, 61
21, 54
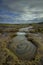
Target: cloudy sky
21, 11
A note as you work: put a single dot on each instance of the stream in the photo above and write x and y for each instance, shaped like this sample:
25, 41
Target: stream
23, 48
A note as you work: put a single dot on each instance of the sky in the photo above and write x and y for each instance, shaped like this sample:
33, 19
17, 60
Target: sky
21, 11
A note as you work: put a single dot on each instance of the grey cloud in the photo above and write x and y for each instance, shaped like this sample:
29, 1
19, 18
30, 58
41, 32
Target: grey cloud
19, 5
13, 4
27, 9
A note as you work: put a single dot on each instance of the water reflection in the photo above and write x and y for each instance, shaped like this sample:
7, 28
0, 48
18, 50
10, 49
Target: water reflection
21, 33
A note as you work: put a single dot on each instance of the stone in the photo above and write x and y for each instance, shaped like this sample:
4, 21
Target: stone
23, 48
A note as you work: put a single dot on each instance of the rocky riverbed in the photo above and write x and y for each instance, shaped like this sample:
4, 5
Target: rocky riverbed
21, 47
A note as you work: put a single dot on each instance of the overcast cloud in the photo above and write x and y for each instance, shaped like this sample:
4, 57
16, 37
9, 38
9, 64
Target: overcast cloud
21, 11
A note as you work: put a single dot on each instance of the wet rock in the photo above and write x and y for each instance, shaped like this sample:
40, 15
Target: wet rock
23, 48
27, 29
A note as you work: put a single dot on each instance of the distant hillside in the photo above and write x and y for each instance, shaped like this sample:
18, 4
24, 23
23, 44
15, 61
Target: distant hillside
40, 22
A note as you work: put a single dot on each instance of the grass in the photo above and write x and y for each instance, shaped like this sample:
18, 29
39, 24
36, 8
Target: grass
12, 29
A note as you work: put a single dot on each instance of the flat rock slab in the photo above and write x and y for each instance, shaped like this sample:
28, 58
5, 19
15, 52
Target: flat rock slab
26, 29
23, 48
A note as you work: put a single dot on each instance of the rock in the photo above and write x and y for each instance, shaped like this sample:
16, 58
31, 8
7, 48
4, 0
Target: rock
27, 29
23, 48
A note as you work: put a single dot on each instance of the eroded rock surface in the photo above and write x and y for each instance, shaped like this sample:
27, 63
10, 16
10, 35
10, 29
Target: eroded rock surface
23, 48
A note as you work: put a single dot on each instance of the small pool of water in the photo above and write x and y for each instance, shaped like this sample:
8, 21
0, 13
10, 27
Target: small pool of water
21, 33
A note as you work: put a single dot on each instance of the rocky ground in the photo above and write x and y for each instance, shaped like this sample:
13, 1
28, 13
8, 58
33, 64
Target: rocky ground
21, 45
